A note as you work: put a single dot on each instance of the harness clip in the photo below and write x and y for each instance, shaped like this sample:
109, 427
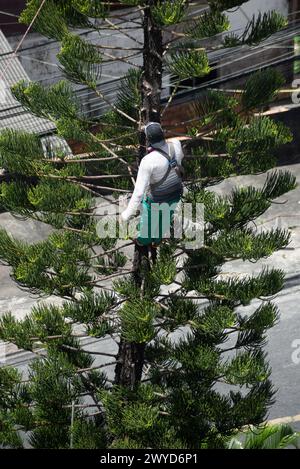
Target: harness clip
173, 163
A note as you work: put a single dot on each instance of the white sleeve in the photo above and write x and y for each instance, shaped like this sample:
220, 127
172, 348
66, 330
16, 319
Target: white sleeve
142, 181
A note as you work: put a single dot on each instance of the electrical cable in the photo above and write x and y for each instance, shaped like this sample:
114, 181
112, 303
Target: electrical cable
8, 14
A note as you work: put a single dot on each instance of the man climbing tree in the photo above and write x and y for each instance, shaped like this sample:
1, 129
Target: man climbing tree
185, 366
159, 181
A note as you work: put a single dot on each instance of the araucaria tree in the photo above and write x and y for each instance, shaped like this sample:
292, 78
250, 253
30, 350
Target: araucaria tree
189, 366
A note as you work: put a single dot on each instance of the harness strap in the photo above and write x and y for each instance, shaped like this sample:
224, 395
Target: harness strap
167, 156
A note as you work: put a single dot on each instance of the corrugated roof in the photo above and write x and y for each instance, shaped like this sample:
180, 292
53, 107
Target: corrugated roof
12, 114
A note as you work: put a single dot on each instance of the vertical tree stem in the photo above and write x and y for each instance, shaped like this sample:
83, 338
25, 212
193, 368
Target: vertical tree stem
131, 355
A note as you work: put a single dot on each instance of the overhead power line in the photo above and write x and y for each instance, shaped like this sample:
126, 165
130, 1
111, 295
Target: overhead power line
8, 14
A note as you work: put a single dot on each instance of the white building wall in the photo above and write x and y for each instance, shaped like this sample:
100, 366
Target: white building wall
239, 18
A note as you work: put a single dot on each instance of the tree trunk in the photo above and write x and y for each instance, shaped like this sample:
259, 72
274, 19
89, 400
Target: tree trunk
151, 81
131, 355
130, 364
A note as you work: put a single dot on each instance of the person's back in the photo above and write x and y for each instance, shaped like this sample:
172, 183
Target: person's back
165, 183
159, 181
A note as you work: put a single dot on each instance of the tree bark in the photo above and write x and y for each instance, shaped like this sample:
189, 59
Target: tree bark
131, 355
151, 80
130, 361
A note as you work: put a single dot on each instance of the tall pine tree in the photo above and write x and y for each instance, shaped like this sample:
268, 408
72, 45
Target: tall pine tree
177, 382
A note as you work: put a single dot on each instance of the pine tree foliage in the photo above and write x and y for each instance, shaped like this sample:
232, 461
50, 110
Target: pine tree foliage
169, 12
80, 60
59, 14
90, 8
261, 88
51, 103
258, 29
189, 63
209, 24
187, 342
128, 98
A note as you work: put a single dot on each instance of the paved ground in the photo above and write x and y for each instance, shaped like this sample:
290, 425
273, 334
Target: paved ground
284, 339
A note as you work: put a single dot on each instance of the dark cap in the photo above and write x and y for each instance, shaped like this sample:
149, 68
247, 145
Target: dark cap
154, 134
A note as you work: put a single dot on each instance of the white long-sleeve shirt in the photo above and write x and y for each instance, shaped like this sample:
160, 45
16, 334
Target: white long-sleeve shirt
151, 170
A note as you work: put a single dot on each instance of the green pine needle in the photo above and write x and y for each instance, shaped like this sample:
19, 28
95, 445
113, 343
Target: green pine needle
209, 24
81, 62
168, 12
91, 8
188, 62
261, 88
258, 29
